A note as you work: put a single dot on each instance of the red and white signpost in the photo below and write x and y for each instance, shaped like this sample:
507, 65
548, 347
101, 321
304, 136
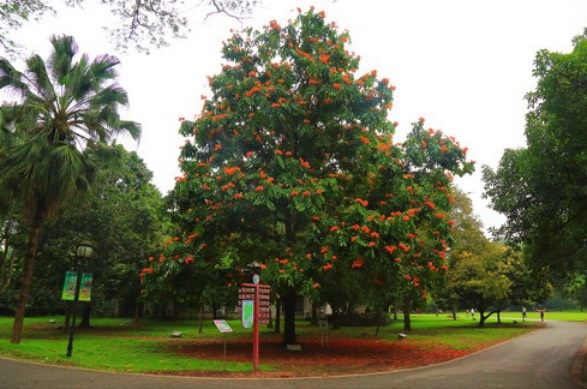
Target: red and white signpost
259, 294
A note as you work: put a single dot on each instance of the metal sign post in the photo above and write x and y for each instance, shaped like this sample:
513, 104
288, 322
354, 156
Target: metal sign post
260, 297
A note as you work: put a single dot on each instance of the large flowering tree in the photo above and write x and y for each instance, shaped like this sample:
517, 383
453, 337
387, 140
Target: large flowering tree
291, 168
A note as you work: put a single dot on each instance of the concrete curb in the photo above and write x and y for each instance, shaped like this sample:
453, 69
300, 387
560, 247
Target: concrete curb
579, 367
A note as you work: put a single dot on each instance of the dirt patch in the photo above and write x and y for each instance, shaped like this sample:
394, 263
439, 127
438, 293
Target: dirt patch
337, 356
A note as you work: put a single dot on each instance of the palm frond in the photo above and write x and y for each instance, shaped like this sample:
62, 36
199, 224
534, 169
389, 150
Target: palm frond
61, 59
12, 78
39, 81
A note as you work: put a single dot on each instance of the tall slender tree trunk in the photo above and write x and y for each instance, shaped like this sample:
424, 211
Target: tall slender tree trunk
277, 328
176, 310
137, 314
377, 319
289, 325
314, 318
407, 309
214, 311
201, 315
27, 278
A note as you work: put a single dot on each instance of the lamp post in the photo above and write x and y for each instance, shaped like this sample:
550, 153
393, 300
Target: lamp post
83, 251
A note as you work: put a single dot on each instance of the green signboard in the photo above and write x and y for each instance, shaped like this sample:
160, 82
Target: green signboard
248, 313
85, 288
69, 286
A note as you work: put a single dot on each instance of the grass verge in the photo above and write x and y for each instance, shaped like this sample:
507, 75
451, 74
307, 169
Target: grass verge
120, 345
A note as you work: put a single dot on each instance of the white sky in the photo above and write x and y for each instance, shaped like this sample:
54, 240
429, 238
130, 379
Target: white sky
464, 65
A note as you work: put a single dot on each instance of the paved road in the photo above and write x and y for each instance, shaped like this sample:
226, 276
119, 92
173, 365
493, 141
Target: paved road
541, 359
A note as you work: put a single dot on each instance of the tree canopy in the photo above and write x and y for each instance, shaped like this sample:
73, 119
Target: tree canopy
542, 189
291, 170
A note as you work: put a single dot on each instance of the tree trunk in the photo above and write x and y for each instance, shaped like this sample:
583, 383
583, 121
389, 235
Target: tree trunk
407, 319
176, 310
289, 325
277, 328
137, 314
85, 322
454, 311
377, 320
201, 315
334, 318
214, 311
314, 318
483, 317
27, 278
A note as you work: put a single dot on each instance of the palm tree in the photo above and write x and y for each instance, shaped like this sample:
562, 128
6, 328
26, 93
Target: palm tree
65, 107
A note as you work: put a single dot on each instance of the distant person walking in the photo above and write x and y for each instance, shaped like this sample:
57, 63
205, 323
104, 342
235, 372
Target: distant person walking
524, 314
541, 311
473, 313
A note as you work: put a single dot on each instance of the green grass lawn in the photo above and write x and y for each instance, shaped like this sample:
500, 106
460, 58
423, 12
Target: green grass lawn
114, 344
121, 345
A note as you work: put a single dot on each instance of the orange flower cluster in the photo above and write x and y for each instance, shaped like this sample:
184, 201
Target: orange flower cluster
274, 25
305, 164
390, 249
364, 203
231, 170
365, 140
404, 247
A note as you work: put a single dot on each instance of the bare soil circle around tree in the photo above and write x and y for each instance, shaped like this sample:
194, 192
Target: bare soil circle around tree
319, 356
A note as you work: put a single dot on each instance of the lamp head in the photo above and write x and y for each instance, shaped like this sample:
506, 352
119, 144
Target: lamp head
84, 249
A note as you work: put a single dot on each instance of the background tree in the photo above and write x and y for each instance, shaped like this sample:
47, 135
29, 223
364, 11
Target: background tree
467, 237
65, 106
577, 290
541, 189
477, 281
124, 219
